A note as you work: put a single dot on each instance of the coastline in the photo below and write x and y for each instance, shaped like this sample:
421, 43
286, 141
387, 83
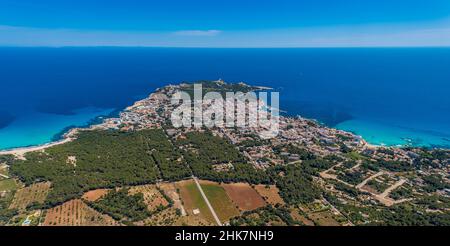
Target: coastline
21, 151
69, 133
314, 84
67, 137
388, 135
98, 120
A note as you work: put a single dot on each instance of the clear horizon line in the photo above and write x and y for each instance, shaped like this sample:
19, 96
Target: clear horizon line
224, 47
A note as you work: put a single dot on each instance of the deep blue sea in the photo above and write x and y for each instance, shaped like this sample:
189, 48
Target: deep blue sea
390, 96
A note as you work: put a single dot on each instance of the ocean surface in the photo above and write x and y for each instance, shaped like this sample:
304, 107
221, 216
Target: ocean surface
390, 96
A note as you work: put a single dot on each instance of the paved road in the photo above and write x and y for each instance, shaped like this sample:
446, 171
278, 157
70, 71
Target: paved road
216, 218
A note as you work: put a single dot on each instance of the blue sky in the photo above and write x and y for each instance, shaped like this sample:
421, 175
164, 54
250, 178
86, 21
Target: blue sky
231, 23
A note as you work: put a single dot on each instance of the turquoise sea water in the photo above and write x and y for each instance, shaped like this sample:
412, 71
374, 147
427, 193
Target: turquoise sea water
39, 128
389, 96
386, 134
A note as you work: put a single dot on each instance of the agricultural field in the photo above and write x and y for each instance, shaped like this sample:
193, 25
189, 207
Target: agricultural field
94, 195
167, 217
76, 213
223, 206
172, 217
270, 193
244, 196
152, 197
35, 193
300, 216
8, 185
193, 200
193, 221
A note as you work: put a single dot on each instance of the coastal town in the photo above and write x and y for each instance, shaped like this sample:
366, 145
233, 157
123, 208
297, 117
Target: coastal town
308, 174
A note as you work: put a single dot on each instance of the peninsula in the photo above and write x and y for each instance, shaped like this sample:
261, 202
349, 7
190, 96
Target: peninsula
137, 169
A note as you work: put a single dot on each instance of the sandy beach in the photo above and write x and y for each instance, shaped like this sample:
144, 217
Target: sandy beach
20, 152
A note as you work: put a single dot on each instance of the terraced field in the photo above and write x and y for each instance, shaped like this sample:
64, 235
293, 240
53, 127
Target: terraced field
76, 213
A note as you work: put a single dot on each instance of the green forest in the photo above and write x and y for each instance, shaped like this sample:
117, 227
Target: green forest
104, 159
203, 150
122, 206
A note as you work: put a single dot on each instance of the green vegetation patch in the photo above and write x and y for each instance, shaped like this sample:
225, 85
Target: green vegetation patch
302, 153
397, 215
122, 206
353, 155
345, 188
167, 157
377, 186
215, 86
6, 159
434, 183
295, 184
395, 166
8, 184
404, 191
353, 178
103, 159
265, 216
203, 150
